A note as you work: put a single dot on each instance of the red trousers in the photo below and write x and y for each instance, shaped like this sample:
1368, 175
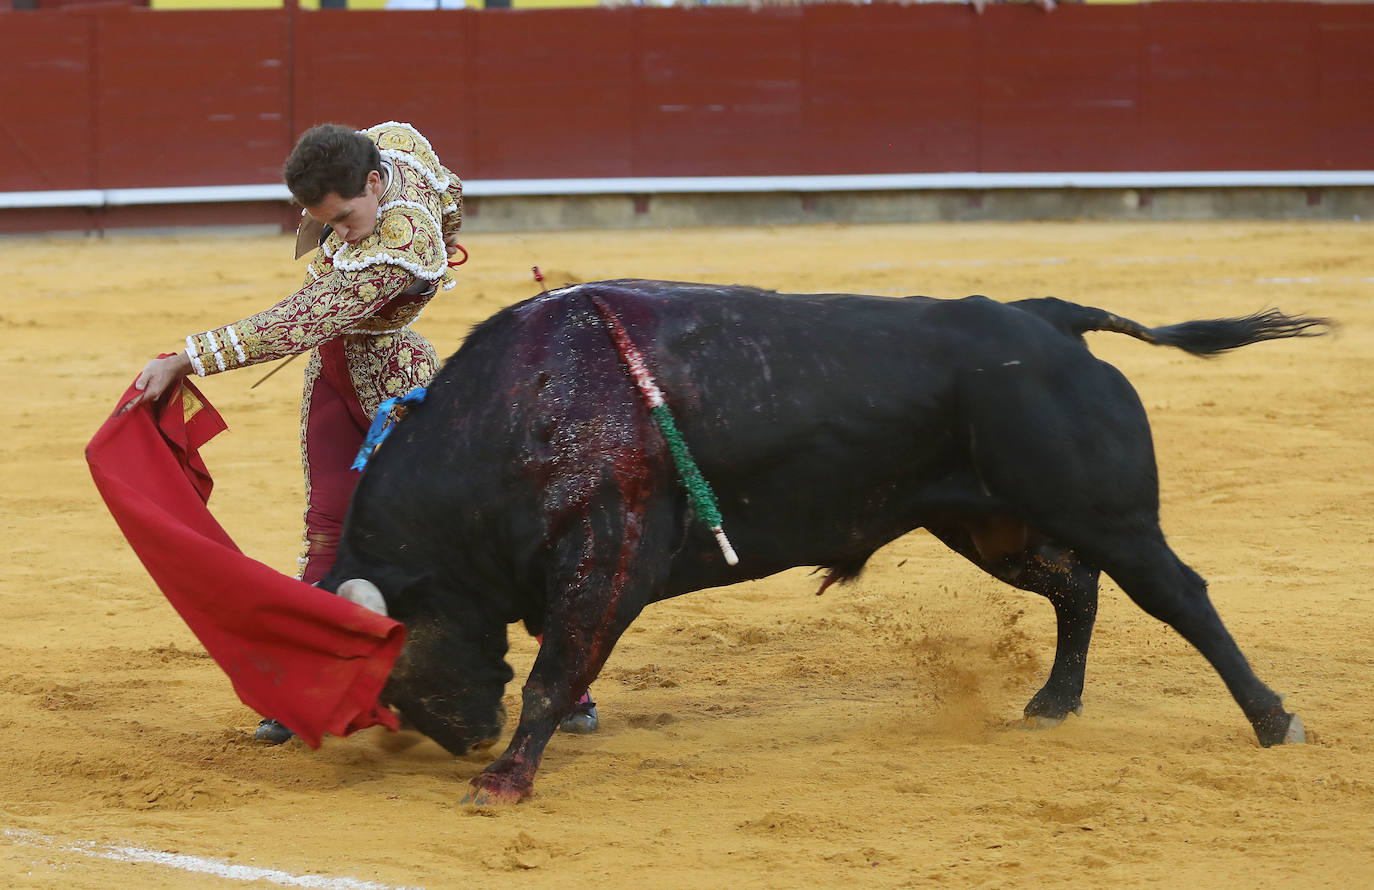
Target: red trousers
332, 431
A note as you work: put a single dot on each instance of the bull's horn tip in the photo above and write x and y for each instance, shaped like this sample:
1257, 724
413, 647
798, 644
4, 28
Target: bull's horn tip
363, 592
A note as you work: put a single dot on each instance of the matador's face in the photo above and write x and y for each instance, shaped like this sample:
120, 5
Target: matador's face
353, 218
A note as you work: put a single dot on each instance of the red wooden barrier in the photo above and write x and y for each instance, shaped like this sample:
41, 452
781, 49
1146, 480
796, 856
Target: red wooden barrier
887, 90
1228, 91
106, 98
47, 107
364, 67
191, 98
1062, 92
1344, 127
552, 92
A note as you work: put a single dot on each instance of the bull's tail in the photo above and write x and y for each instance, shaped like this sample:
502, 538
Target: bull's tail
1205, 338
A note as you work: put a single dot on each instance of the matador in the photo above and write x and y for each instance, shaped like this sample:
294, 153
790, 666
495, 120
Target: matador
379, 258
385, 214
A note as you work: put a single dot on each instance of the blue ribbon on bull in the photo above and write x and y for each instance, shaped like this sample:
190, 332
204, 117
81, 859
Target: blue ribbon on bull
382, 424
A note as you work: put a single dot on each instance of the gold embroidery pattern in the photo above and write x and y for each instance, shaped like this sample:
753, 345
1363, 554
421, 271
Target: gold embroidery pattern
406, 236
393, 137
319, 267
389, 365
190, 405
395, 233
397, 139
312, 374
453, 206
316, 313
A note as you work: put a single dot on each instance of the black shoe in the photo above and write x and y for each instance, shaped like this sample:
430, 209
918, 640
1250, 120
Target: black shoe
272, 732
582, 720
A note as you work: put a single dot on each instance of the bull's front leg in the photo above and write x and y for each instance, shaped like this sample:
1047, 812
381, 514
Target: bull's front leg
560, 675
601, 583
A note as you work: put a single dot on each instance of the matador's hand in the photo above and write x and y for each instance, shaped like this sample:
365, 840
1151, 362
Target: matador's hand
158, 376
453, 247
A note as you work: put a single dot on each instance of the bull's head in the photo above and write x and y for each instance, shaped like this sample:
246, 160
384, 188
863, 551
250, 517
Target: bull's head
451, 674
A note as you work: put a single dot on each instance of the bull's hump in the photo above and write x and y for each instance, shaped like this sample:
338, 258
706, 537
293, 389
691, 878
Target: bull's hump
656, 290
643, 305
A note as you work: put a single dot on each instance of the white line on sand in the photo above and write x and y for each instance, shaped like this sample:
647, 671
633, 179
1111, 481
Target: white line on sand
198, 864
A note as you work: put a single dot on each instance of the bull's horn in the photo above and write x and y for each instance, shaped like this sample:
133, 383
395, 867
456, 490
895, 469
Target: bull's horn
364, 593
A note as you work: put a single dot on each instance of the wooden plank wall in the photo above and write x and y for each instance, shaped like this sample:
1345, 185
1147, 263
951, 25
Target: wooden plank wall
114, 97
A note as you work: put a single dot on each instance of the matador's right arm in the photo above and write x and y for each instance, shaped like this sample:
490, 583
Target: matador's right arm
320, 311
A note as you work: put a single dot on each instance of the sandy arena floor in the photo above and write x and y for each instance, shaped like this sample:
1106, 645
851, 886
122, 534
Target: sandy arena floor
755, 736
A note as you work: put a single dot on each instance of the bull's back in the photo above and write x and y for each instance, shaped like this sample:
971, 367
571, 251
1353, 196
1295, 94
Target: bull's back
815, 417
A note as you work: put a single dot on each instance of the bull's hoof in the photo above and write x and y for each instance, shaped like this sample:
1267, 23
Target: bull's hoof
1048, 721
1278, 727
270, 732
495, 789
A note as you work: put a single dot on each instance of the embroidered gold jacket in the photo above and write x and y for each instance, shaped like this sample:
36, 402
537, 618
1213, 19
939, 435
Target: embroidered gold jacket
363, 292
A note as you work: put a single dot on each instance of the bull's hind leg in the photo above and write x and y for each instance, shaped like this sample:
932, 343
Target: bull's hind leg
1028, 560
606, 569
1069, 446
1158, 581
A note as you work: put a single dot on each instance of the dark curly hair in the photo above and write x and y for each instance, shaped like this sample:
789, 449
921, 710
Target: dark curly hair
330, 158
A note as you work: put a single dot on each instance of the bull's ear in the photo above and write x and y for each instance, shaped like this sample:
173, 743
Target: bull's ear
364, 593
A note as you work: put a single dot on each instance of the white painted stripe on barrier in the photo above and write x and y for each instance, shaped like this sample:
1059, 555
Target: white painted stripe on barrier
640, 185
76, 198
918, 182
197, 864
205, 194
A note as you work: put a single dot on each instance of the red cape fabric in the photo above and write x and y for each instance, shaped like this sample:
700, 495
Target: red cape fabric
310, 659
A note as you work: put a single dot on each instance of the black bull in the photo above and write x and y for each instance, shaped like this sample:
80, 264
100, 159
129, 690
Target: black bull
532, 484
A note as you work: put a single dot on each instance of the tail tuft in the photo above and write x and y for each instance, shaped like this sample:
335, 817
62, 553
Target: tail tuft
1215, 336
1204, 338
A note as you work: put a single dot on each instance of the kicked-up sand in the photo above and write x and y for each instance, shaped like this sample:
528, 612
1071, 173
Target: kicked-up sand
755, 736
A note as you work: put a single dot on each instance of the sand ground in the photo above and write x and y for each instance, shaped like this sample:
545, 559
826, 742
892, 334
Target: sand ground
755, 736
